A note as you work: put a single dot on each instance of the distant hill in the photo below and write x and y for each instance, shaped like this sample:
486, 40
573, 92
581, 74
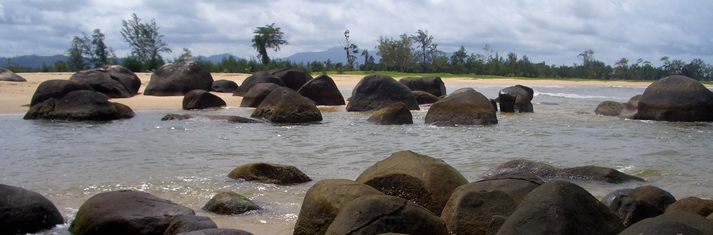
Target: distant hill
32, 61
335, 54
216, 58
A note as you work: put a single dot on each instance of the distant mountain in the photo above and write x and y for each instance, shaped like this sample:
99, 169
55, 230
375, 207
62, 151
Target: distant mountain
31, 61
335, 55
216, 58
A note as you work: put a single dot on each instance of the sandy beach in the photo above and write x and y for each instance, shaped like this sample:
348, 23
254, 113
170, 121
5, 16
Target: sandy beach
15, 96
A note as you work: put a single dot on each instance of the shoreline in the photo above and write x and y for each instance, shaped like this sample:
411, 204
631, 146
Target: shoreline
15, 96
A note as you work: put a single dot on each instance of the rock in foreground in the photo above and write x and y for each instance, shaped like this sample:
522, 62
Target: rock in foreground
24, 211
269, 173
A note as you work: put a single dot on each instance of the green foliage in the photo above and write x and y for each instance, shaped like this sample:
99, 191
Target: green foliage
187, 55
351, 49
132, 63
145, 41
267, 37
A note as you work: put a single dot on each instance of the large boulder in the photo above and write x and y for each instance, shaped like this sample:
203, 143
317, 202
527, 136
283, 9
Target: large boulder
560, 207
322, 90
257, 78
516, 99
112, 80
432, 85
293, 78
653, 195
423, 97
582, 173
269, 173
393, 114
9, 76
424, 180
230, 203
323, 202
375, 214
56, 89
283, 105
674, 222
24, 211
81, 105
631, 210
609, 108
126, 212
187, 223
464, 106
678, 99
631, 108
695, 205
176, 79
224, 86
201, 99
257, 94
374, 92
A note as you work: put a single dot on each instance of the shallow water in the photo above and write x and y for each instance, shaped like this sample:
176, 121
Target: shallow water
188, 161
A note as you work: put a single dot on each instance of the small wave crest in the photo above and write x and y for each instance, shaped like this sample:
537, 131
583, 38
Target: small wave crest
576, 96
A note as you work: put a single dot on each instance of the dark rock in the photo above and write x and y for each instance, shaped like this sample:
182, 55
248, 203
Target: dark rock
631, 211
631, 108
609, 108
179, 78
257, 94
613, 195
516, 99
515, 183
694, 205
217, 231
495, 224
126, 212
24, 211
230, 203
293, 78
284, 105
234, 119
374, 214
424, 180
374, 92
224, 86
393, 114
41, 110
464, 106
323, 202
9, 76
56, 89
112, 80
677, 99
423, 97
470, 212
269, 173
653, 195
674, 222
494, 103
546, 171
257, 78
432, 85
201, 99
81, 105
559, 207
187, 223
323, 91
123, 111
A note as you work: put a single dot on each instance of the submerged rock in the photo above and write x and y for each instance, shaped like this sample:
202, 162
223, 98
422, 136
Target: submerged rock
609, 108
269, 173
546, 171
229, 118
394, 114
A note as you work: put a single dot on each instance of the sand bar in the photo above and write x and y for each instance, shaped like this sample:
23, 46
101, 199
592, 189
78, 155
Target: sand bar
15, 96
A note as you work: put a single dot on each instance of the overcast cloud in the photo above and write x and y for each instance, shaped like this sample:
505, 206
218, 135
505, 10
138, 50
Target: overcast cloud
554, 31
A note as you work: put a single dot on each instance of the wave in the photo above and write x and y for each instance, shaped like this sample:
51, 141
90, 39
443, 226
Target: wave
577, 96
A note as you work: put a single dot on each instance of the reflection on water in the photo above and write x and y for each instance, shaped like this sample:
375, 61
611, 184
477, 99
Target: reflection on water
188, 161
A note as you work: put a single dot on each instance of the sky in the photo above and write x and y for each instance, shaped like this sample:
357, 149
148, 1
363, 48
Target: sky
553, 31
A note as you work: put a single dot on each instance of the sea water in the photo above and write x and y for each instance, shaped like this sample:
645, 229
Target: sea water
188, 161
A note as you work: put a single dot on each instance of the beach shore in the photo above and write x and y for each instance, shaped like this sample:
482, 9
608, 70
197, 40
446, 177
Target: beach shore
15, 96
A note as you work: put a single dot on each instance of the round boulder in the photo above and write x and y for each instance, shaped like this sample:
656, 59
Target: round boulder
84, 105
516, 99
393, 114
24, 211
323, 202
695, 205
187, 223
375, 214
179, 78
123, 111
423, 97
559, 207
230, 203
654, 196
200, 99
464, 106
126, 212
374, 92
432, 85
322, 90
9, 76
675, 222
257, 78
609, 108
678, 99
293, 78
631, 108
283, 105
56, 89
269, 173
224, 86
631, 210
424, 180
582, 173
112, 80
257, 94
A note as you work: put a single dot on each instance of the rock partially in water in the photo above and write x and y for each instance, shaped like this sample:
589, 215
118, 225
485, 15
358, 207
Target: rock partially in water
678, 99
694, 205
654, 196
431, 85
9, 76
293, 78
631, 108
230, 203
123, 111
177, 79
201, 99
546, 171
80, 105
393, 114
224, 86
423, 97
323, 91
609, 108
229, 118
424, 180
270, 173
375, 92
126, 212
516, 99
283, 105
257, 94
24, 211
374, 214
613, 195
56, 89
257, 78
323, 202
464, 106
187, 223
674, 222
